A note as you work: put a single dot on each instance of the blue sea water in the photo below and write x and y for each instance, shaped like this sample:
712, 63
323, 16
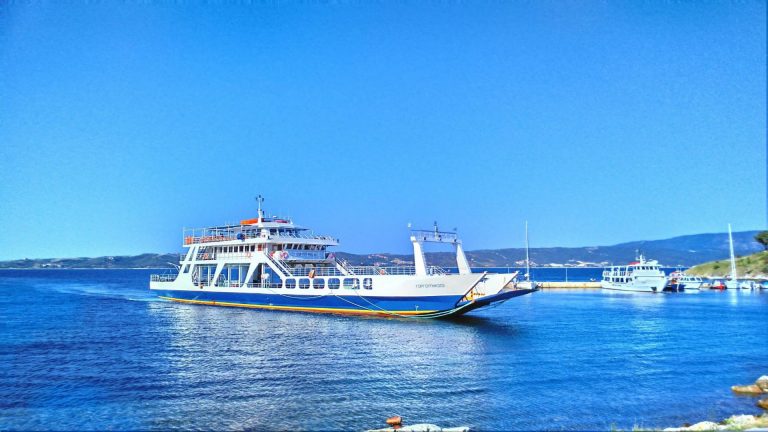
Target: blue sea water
93, 350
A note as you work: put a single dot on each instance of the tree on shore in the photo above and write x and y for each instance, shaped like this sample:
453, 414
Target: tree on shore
762, 238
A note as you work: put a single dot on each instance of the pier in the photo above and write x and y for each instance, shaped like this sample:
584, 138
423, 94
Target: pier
546, 285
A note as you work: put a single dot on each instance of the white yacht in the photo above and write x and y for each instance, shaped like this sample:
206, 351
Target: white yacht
272, 263
638, 276
690, 282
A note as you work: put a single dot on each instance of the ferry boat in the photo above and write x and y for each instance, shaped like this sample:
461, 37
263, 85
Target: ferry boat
272, 263
638, 276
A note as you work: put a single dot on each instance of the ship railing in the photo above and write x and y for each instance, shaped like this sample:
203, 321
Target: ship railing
344, 266
393, 270
207, 235
301, 235
307, 255
319, 271
280, 265
208, 256
237, 284
263, 285
163, 277
435, 236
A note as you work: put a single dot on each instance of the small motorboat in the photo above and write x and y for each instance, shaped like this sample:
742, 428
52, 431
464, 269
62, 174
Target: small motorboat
718, 285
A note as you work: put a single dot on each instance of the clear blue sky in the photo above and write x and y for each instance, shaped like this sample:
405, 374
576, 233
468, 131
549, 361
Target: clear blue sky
599, 122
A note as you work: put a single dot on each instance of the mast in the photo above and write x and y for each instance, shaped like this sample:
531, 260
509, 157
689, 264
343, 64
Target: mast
527, 257
733, 257
260, 199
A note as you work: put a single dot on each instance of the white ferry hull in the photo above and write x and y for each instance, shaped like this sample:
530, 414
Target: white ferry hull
431, 296
650, 286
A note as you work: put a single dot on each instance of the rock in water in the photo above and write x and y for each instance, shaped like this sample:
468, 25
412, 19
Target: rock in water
763, 403
704, 426
762, 382
740, 421
747, 389
422, 427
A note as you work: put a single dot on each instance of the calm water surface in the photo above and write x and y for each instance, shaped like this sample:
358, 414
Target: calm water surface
91, 349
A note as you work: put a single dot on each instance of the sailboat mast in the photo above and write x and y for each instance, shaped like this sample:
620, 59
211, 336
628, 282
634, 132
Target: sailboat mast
527, 258
733, 257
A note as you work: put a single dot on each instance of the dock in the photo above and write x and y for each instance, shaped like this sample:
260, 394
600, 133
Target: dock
580, 285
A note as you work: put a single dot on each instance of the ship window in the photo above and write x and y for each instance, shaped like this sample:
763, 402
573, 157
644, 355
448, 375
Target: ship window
304, 283
368, 283
186, 268
351, 283
290, 283
318, 283
333, 283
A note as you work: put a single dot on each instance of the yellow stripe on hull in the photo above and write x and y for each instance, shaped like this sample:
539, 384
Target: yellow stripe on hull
301, 309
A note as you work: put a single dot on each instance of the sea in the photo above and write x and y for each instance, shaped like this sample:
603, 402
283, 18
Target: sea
94, 350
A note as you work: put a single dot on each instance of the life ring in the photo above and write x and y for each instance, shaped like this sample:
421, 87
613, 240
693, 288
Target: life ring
382, 272
312, 274
205, 256
247, 254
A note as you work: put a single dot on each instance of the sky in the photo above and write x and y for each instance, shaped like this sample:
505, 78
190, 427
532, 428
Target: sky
597, 122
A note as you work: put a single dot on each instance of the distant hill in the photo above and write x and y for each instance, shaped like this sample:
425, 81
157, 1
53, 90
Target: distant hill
750, 266
148, 260
684, 251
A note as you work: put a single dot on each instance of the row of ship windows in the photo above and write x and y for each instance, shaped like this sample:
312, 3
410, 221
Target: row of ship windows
254, 248
615, 279
333, 283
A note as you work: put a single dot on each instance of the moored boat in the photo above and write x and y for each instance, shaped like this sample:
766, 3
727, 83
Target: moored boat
733, 279
637, 276
718, 285
271, 263
689, 281
674, 285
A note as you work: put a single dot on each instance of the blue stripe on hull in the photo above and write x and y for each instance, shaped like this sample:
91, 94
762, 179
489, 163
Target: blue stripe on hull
331, 303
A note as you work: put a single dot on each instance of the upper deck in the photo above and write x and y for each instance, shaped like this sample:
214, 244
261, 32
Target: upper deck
258, 230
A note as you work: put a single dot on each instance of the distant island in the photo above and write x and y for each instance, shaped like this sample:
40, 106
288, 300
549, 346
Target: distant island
683, 251
753, 266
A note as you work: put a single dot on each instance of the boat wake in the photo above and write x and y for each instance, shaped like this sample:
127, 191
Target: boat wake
98, 290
